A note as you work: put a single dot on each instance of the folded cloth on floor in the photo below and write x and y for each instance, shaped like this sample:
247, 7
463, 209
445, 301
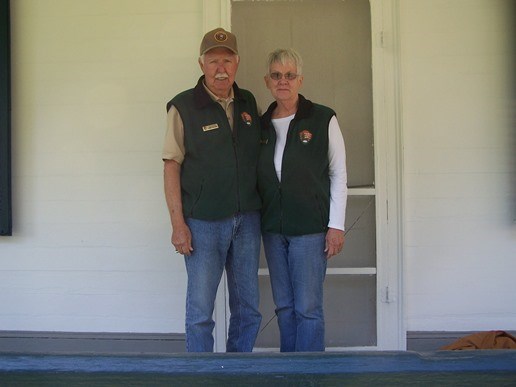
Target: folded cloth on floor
484, 340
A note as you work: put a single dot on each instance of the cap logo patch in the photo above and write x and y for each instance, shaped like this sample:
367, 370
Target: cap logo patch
221, 36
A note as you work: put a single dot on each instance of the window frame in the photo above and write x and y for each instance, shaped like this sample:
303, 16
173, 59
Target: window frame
5, 120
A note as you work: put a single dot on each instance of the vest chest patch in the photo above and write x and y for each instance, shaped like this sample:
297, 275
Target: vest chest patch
305, 136
246, 117
207, 128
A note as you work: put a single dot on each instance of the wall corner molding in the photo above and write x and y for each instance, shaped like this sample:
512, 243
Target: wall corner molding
99, 343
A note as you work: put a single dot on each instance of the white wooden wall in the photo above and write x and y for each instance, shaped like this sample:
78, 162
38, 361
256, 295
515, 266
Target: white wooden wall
459, 165
90, 250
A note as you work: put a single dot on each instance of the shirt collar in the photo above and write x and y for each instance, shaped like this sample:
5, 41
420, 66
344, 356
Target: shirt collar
216, 98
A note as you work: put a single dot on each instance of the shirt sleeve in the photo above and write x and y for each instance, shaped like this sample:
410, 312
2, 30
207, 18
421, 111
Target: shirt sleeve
338, 176
174, 147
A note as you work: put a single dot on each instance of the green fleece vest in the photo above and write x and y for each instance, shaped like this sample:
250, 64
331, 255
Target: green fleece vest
218, 174
300, 204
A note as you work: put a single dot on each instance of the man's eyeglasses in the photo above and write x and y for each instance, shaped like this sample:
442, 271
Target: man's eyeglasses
288, 76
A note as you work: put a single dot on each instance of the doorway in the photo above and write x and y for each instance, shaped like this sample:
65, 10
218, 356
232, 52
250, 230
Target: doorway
335, 43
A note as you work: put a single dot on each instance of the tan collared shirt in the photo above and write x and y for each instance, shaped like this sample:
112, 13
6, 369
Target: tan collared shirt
174, 147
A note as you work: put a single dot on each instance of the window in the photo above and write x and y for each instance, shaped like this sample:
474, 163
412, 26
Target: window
5, 121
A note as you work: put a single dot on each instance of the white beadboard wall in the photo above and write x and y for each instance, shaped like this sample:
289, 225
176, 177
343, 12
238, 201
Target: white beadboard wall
91, 250
459, 164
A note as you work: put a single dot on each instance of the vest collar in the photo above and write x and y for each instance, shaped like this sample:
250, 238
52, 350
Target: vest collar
202, 99
304, 108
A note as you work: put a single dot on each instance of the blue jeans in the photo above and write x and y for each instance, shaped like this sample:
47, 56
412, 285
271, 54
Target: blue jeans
297, 267
232, 244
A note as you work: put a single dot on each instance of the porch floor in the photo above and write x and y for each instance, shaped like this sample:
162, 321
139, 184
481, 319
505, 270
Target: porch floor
472, 368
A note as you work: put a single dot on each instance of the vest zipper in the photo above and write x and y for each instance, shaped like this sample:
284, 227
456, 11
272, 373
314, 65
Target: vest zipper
237, 169
281, 208
290, 128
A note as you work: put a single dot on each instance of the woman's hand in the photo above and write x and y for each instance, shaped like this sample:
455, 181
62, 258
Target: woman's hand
334, 242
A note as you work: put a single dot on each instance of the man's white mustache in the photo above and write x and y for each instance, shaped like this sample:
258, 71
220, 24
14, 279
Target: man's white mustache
221, 76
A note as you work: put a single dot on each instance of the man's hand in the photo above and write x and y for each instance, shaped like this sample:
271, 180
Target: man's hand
181, 235
182, 239
334, 242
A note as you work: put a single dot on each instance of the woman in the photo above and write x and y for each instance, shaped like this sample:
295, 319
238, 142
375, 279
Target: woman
302, 182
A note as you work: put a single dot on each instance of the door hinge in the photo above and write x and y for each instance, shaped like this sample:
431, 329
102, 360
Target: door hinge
383, 39
386, 296
387, 210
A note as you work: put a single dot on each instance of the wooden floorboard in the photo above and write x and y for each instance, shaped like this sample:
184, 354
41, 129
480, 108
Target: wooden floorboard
265, 369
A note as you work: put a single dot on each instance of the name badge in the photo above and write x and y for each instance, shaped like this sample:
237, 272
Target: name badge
210, 127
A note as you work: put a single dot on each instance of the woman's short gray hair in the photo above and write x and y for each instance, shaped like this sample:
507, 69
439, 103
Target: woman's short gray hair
285, 56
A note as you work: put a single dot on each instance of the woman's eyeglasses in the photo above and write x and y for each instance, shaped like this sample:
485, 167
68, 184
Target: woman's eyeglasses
288, 76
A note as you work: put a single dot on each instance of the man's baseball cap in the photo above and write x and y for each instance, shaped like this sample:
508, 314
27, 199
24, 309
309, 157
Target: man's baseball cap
219, 37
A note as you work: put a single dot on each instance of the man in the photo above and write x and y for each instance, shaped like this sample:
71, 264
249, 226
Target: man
210, 154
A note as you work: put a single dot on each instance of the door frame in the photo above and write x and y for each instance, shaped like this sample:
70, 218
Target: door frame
391, 333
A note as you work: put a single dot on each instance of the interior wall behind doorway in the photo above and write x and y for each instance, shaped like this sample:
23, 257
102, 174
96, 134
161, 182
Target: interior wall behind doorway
335, 43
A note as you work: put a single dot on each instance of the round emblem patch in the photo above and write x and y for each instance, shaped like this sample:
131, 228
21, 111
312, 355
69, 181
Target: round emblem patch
221, 36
